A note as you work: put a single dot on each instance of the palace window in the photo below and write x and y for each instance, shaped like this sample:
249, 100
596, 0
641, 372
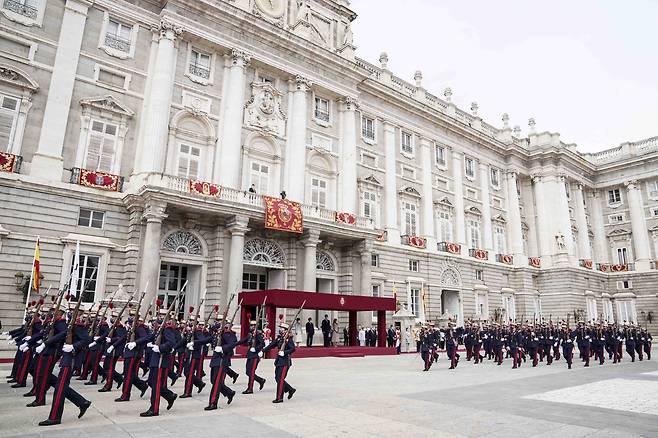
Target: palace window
376, 292
370, 207
500, 242
440, 155
368, 128
322, 109
415, 302
495, 178
188, 161
374, 260
614, 196
414, 265
118, 36
445, 226
318, 192
9, 107
592, 312
200, 64
260, 177
251, 281
101, 146
90, 218
469, 167
406, 141
616, 218
622, 256
88, 272
479, 275
474, 233
410, 214
26, 12
625, 311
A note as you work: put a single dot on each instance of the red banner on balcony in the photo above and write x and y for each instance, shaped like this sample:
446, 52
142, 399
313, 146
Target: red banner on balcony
507, 259
204, 188
7, 162
99, 180
481, 254
416, 242
535, 262
587, 264
283, 215
619, 268
453, 248
345, 218
382, 235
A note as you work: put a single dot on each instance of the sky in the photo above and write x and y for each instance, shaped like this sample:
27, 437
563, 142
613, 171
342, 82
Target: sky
587, 69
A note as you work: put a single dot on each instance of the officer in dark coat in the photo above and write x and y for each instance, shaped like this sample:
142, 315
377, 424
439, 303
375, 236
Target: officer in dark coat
310, 331
115, 344
326, 331
225, 343
283, 362
50, 350
132, 356
256, 343
566, 338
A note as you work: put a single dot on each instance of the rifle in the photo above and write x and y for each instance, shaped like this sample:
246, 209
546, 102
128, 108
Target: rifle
236, 310
74, 317
261, 312
118, 318
158, 337
285, 336
218, 336
214, 310
133, 327
190, 336
66, 287
30, 325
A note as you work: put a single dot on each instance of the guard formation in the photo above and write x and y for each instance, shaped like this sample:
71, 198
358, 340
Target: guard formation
164, 345
533, 343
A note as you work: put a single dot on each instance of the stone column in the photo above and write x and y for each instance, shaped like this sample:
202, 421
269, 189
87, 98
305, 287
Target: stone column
309, 266
295, 166
514, 229
562, 213
584, 249
365, 279
231, 132
238, 228
154, 130
543, 234
601, 252
486, 207
348, 157
428, 192
154, 214
47, 162
641, 242
390, 185
458, 189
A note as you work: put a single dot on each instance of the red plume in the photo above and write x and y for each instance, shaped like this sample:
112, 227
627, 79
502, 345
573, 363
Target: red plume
191, 309
130, 305
216, 308
150, 312
68, 297
280, 315
111, 305
158, 303
41, 301
33, 303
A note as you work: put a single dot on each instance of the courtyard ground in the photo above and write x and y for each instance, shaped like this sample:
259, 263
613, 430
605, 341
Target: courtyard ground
379, 397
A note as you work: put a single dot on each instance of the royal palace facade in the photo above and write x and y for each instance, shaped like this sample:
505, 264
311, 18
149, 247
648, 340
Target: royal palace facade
153, 133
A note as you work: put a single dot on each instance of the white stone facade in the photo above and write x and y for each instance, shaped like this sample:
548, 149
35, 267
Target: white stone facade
449, 209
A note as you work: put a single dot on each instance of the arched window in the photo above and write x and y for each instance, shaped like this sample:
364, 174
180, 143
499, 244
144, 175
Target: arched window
261, 252
449, 278
183, 242
324, 262
191, 145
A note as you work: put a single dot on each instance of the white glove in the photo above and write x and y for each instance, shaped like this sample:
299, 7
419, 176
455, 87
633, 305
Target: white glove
218, 349
149, 345
23, 348
110, 349
92, 345
12, 342
155, 349
108, 340
40, 342
252, 349
260, 354
96, 338
190, 345
40, 348
281, 353
131, 345
27, 338
67, 348
5, 333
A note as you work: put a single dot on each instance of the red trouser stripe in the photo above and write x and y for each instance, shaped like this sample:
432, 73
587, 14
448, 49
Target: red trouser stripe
97, 361
58, 395
109, 376
282, 380
128, 382
252, 374
190, 375
22, 373
45, 377
215, 387
156, 402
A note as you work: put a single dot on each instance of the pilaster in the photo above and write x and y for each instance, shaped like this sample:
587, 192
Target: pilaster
295, 166
390, 188
348, 157
639, 227
428, 203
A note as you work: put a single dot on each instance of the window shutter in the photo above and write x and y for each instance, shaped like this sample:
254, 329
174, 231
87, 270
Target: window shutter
94, 146
194, 169
182, 167
6, 125
106, 154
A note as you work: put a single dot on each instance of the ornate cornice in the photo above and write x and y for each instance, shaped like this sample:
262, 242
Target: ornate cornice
169, 30
240, 58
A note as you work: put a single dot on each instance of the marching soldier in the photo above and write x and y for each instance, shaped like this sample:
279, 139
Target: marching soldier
567, 345
138, 336
115, 341
195, 349
426, 348
225, 342
254, 354
283, 362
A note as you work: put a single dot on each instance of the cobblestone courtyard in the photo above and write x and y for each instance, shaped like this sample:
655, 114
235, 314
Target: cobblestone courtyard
381, 396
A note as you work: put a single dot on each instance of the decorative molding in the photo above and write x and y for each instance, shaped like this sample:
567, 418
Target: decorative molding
261, 252
263, 110
107, 103
182, 241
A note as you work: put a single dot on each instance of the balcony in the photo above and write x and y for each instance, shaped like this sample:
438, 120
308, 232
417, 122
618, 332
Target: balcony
19, 8
507, 259
97, 180
449, 247
585, 263
535, 262
613, 268
478, 253
414, 241
118, 43
245, 198
10, 163
199, 71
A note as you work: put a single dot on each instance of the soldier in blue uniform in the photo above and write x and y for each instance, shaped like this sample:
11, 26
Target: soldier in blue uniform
256, 343
283, 362
115, 342
194, 355
225, 342
426, 341
132, 356
566, 338
50, 350
79, 338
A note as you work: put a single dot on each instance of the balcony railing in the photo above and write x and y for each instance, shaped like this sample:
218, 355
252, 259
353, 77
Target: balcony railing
480, 254
199, 71
449, 247
117, 42
507, 259
254, 200
586, 263
612, 268
10, 163
414, 241
21, 9
322, 115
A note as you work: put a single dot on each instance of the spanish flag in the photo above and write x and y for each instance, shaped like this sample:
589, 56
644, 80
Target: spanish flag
36, 269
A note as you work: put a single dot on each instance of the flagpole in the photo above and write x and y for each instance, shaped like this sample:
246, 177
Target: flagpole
29, 288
